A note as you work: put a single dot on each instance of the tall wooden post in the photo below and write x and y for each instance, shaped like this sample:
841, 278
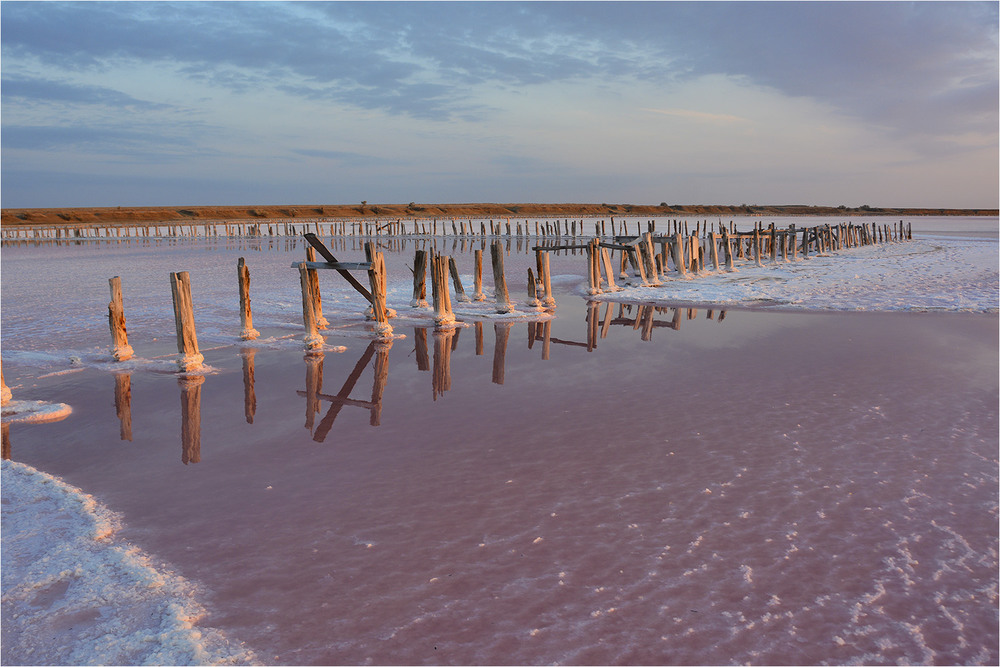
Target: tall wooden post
477, 275
419, 299
376, 279
312, 338
608, 270
459, 289
5, 394
247, 332
677, 249
439, 288
321, 322
187, 339
532, 290
116, 320
503, 304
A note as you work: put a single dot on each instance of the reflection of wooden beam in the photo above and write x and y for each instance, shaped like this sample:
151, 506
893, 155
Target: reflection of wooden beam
341, 399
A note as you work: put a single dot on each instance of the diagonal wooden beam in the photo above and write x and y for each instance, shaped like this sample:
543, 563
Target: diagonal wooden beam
328, 256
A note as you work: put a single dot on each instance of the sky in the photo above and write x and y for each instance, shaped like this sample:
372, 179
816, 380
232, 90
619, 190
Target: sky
161, 103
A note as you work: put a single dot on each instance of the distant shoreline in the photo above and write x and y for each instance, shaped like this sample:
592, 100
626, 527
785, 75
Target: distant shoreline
103, 216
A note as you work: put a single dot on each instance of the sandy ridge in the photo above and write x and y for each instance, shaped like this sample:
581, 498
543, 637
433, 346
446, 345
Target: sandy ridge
83, 217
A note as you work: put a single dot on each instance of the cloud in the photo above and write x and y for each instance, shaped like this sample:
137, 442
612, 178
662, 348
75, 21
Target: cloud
24, 89
701, 116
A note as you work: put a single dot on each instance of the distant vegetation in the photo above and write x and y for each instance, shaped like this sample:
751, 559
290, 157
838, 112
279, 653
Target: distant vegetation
125, 214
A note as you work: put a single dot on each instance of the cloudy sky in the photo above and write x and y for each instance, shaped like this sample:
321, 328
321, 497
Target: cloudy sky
158, 103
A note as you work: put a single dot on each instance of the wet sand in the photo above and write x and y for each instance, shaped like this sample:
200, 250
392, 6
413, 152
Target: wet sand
771, 488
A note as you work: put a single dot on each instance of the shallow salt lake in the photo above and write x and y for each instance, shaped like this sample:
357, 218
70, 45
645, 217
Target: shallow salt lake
604, 484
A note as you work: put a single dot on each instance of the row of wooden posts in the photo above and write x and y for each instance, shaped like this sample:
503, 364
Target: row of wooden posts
687, 254
538, 228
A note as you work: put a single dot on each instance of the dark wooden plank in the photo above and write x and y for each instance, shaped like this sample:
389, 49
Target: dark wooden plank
328, 256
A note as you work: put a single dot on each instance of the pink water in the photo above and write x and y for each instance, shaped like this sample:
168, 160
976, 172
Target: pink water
767, 488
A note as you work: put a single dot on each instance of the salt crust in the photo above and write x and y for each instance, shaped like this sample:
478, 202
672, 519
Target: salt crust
73, 593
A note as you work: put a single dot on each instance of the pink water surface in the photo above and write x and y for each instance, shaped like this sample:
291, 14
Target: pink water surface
769, 488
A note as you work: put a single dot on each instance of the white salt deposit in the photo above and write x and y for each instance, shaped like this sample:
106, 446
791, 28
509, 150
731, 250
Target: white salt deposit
74, 594
925, 274
34, 412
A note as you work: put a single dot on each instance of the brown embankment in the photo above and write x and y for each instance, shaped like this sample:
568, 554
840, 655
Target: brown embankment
78, 217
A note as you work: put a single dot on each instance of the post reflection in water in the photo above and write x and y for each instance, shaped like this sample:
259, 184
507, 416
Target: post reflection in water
123, 403
441, 378
420, 347
249, 394
314, 377
5, 451
191, 417
314, 385
502, 332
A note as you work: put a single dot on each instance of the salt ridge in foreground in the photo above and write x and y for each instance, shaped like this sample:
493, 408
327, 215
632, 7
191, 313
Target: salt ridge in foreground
73, 593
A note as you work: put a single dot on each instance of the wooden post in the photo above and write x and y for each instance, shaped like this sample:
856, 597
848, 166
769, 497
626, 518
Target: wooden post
756, 246
419, 299
459, 290
190, 417
116, 320
677, 250
249, 392
646, 243
376, 280
532, 291
246, 316
727, 249
187, 339
477, 276
608, 271
439, 288
314, 279
593, 272
312, 338
123, 404
714, 240
503, 304
5, 394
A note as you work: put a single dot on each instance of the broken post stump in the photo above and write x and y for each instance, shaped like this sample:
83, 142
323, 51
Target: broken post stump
459, 289
503, 304
122, 351
187, 339
247, 332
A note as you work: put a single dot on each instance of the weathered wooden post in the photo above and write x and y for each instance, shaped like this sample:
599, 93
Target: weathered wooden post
774, 243
532, 290
5, 394
677, 250
727, 249
247, 331
477, 276
593, 270
116, 320
756, 246
503, 304
312, 338
187, 339
377, 282
419, 299
714, 240
439, 289
459, 289
545, 276
646, 244
608, 271
321, 322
